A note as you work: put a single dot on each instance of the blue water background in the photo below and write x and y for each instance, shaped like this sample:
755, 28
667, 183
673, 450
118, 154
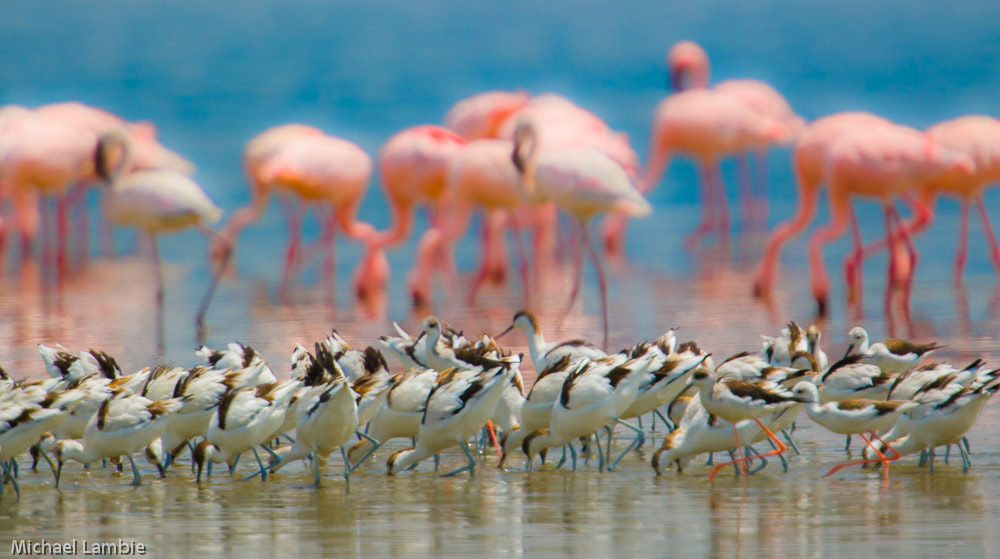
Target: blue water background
213, 74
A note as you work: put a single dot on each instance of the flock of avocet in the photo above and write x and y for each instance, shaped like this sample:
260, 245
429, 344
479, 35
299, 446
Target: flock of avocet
454, 388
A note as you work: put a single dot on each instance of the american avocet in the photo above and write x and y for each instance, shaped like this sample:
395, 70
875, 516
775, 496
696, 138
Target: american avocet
458, 407
536, 411
851, 377
326, 420
354, 362
593, 396
412, 351
400, 415
893, 356
201, 389
245, 418
942, 418
239, 356
124, 424
854, 416
544, 353
735, 400
699, 432
778, 351
813, 336
62, 364
929, 376
664, 380
23, 423
96, 390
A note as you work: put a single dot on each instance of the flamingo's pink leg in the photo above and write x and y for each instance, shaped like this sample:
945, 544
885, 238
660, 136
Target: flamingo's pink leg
988, 232
708, 206
602, 280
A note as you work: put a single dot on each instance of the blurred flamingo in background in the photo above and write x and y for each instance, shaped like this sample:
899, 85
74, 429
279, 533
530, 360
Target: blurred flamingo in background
977, 136
304, 165
155, 202
709, 139
880, 162
808, 160
708, 126
42, 156
480, 116
689, 68
148, 153
481, 176
582, 182
413, 165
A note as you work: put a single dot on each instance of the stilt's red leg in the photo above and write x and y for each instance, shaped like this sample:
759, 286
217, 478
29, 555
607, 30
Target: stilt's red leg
741, 459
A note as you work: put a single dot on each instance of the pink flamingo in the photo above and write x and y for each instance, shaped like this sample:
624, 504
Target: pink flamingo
808, 159
414, 167
880, 162
303, 164
560, 123
689, 68
149, 154
582, 182
977, 136
480, 116
708, 126
43, 156
481, 176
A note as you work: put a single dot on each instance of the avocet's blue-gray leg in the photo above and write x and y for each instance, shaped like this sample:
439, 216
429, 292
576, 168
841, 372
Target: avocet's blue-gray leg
263, 472
562, 459
947, 453
923, 458
966, 461
600, 454
136, 478
269, 451
930, 456
791, 441
232, 467
751, 451
847, 445
470, 467
374, 441
347, 470
663, 418
784, 462
317, 475
966, 442
635, 444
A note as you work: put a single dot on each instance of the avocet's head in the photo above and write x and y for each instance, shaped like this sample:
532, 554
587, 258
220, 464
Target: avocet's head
535, 444
806, 391
524, 320
857, 339
813, 334
668, 446
702, 378
201, 455
392, 464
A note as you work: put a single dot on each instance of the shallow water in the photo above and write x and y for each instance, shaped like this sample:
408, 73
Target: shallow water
211, 75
